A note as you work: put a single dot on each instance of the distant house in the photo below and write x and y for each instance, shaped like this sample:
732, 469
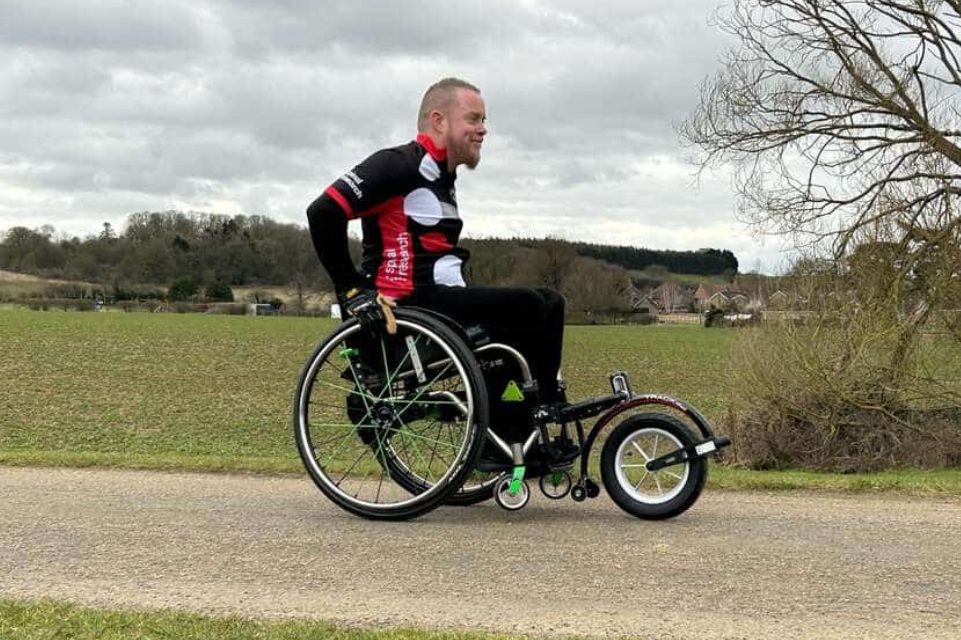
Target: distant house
672, 297
643, 303
669, 297
719, 296
782, 300
779, 301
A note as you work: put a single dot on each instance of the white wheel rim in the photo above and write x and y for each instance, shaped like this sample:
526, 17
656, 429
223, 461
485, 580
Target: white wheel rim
649, 487
509, 502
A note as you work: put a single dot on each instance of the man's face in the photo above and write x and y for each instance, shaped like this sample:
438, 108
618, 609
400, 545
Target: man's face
465, 129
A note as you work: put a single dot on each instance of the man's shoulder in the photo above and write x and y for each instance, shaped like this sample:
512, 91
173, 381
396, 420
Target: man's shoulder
407, 151
404, 157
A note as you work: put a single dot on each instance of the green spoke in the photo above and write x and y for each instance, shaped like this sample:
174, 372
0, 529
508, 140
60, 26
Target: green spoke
344, 388
343, 425
423, 390
392, 375
347, 438
413, 434
407, 431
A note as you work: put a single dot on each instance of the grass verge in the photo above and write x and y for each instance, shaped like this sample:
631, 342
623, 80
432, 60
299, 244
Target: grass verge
47, 619
944, 482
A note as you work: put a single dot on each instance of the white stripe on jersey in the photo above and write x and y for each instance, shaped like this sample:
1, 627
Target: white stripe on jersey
447, 270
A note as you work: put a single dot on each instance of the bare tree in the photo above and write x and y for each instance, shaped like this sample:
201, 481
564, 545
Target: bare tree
842, 120
671, 296
839, 115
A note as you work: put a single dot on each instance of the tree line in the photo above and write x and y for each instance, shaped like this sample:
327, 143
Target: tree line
703, 262
163, 248
159, 248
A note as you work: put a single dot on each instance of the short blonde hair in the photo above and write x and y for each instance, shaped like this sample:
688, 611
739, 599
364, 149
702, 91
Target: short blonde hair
439, 97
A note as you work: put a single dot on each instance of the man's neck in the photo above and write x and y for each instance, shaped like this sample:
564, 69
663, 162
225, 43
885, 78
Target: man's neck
436, 148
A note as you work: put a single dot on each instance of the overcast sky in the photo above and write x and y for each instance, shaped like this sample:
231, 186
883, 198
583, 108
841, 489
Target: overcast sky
113, 107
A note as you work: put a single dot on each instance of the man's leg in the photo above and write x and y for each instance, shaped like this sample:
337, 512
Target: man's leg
552, 344
531, 320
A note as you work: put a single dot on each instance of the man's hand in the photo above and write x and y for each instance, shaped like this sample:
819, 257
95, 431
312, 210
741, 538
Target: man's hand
371, 309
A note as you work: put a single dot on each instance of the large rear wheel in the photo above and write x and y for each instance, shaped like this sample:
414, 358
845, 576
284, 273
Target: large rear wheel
389, 426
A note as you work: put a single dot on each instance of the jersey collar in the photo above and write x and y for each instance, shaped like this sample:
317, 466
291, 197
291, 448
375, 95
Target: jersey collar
425, 141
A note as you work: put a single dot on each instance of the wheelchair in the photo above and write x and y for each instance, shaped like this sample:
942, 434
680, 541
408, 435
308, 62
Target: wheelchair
392, 426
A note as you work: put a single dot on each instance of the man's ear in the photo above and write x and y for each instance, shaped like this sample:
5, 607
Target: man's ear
437, 121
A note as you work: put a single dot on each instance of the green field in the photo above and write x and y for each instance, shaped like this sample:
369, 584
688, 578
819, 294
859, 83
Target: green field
207, 392
198, 391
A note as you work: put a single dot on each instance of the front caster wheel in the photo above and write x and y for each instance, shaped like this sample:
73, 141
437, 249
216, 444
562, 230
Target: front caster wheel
592, 489
503, 497
579, 493
661, 493
556, 484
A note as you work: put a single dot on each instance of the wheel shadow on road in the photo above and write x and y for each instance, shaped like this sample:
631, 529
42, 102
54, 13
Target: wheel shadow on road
550, 513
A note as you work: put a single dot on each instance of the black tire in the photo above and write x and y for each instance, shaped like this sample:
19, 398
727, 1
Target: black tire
385, 434
638, 491
478, 487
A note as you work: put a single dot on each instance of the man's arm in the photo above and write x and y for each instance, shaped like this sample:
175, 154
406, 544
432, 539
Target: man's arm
328, 231
354, 195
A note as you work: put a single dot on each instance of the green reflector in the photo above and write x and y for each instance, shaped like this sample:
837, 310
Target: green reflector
512, 393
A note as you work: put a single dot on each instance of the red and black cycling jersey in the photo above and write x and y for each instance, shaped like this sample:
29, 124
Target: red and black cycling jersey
405, 197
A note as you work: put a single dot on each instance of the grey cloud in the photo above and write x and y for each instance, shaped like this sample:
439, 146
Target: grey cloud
100, 24
378, 27
248, 104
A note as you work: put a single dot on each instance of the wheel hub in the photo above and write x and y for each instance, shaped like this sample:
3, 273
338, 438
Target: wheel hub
384, 415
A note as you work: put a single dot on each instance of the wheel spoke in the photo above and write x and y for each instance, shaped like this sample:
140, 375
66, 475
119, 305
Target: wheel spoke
637, 487
636, 479
641, 451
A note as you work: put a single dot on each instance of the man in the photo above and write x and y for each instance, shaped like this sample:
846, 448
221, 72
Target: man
406, 199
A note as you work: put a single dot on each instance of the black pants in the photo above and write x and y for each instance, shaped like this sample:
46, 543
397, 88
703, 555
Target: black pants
530, 320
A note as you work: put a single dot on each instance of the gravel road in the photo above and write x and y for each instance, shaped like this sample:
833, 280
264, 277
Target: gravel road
737, 565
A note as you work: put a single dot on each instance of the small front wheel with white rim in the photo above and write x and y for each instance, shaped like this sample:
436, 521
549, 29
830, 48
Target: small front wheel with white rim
512, 502
658, 494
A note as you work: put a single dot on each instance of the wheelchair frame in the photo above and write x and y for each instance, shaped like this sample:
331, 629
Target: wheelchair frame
385, 406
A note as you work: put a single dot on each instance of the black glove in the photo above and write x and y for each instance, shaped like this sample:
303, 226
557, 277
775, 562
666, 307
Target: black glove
371, 309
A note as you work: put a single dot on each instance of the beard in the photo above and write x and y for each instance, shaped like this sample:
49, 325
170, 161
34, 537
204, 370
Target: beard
464, 153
